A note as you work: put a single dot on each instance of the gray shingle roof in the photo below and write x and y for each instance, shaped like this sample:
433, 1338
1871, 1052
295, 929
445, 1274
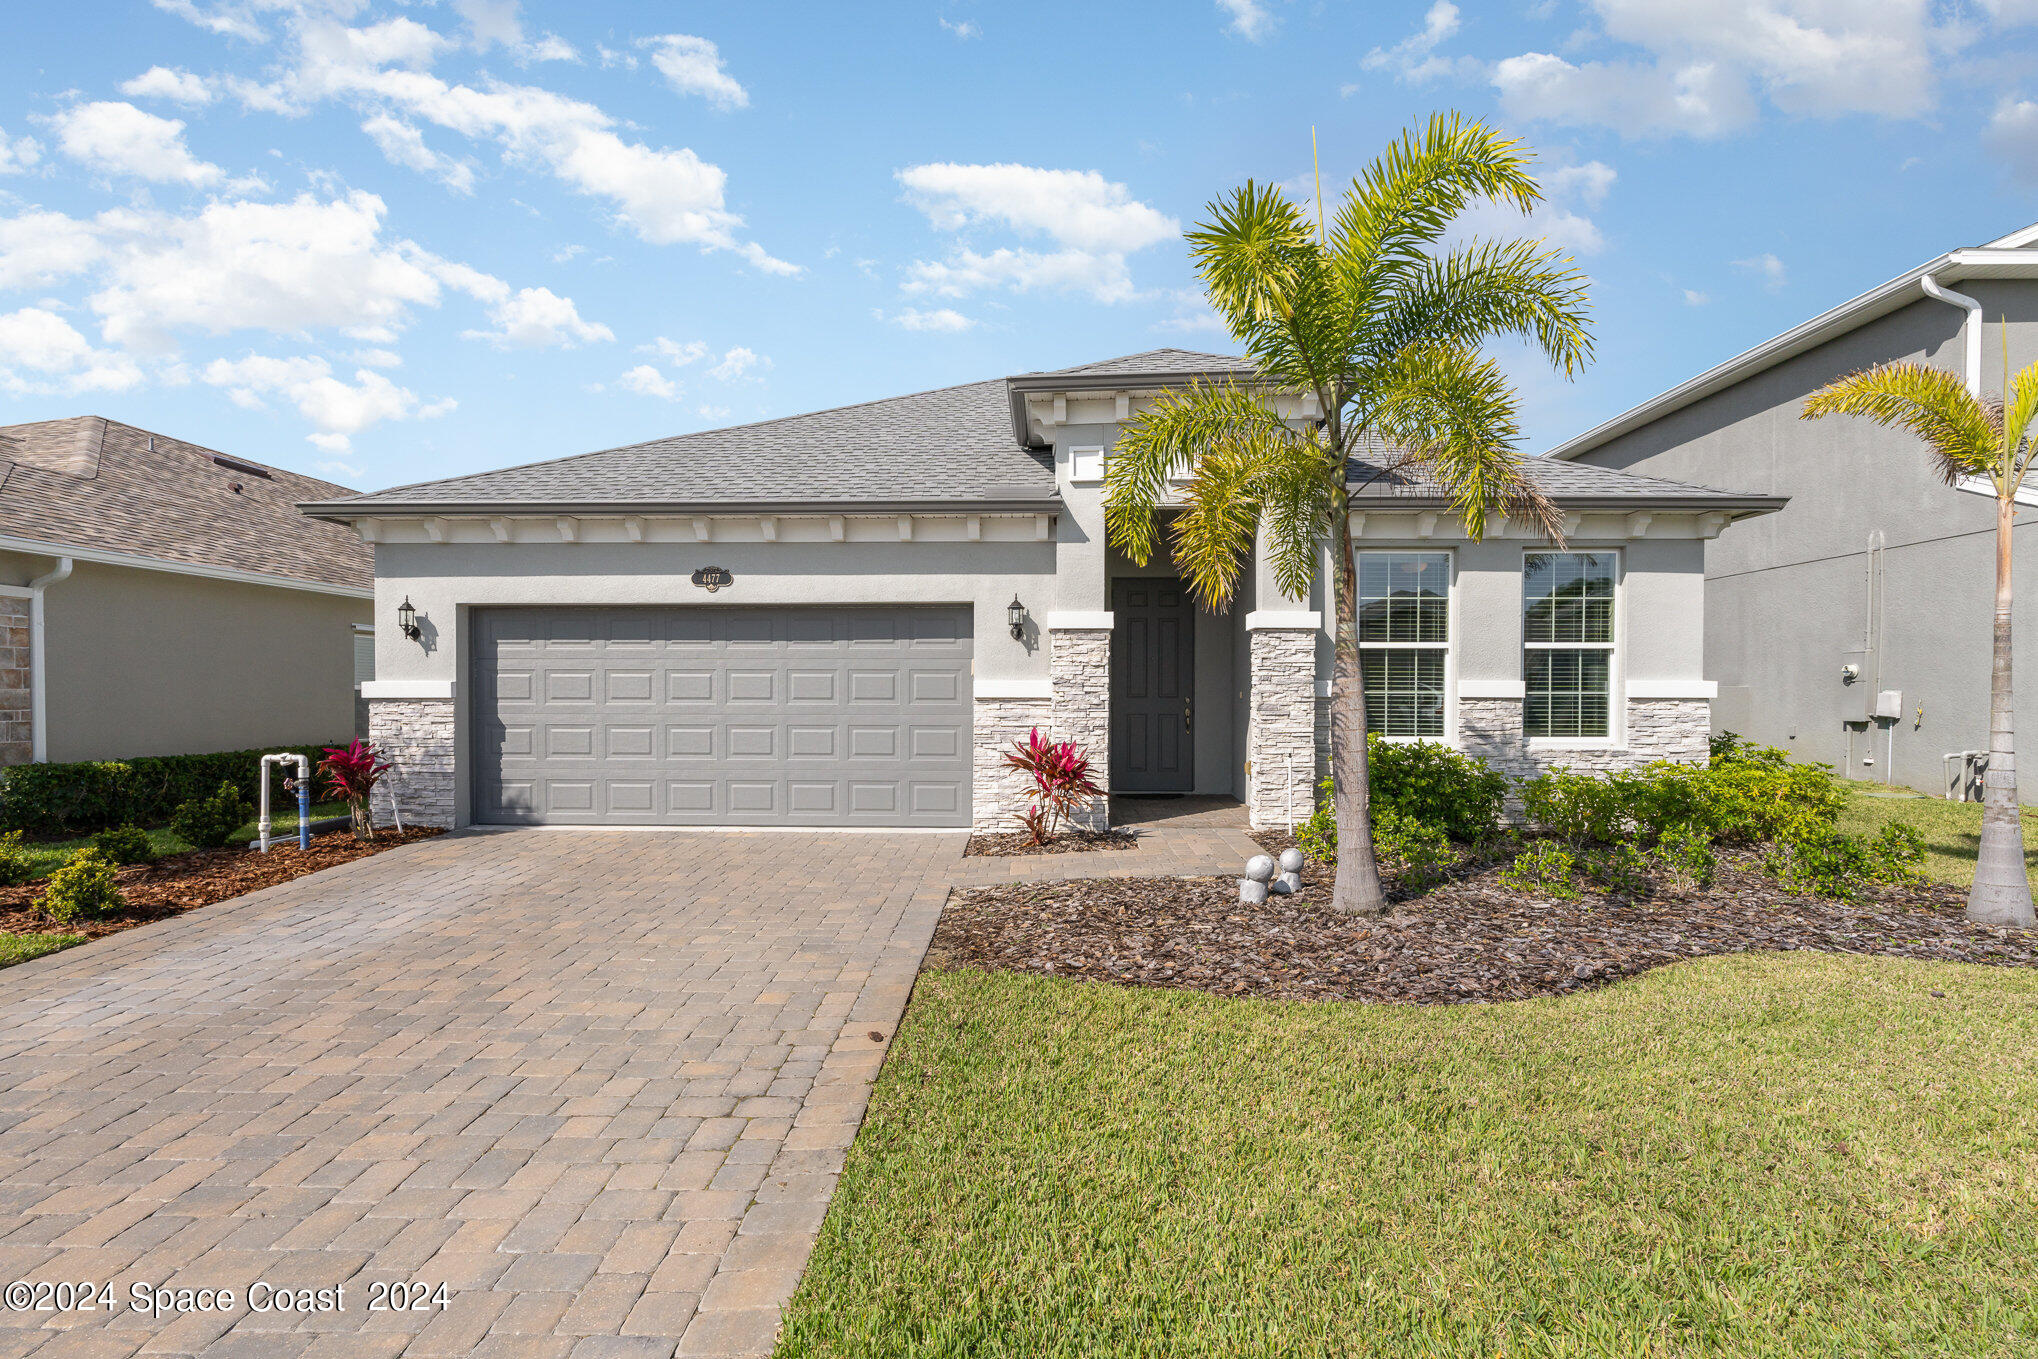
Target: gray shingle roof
953, 443
1154, 361
1564, 482
94, 484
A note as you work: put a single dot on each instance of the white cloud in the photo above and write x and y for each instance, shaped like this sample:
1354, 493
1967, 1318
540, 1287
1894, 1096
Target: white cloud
378, 358
403, 144
737, 362
161, 82
1766, 267
1414, 57
1094, 221
17, 154
938, 319
1694, 298
1702, 67
333, 468
677, 354
500, 22
1570, 192
42, 353
666, 196
538, 318
714, 412
1248, 18
1201, 322
694, 66
2012, 137
38, 247
648, 381
121, 139
337, 408
308, 264
962, 29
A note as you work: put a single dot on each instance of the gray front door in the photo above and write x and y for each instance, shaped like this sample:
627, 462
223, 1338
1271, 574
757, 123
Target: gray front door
1153, 656
734, 716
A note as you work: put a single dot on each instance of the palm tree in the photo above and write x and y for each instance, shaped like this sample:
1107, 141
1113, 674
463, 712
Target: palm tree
1969, 435
1369, 314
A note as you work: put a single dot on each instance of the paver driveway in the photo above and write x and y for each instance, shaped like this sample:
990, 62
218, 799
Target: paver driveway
598, 1083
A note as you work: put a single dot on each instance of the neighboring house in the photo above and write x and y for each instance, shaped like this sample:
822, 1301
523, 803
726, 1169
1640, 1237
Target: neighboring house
1854, 627
163, 599
845, 618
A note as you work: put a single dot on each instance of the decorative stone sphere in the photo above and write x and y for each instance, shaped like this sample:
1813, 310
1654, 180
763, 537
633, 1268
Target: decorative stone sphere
1284, 885
1291, 860
1259, 868
1252, 893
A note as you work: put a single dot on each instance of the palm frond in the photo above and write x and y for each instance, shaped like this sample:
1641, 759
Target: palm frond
2018, 412
1263, 273
1216, 434
1455, 417
1491, 288
1962, 432
1299, 496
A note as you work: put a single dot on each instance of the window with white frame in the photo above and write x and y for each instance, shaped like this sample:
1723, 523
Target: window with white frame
1404, 610
1567, 632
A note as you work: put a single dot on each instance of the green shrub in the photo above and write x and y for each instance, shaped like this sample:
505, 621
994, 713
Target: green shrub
83, 889
78, 799
1317, 837
1578, 809
1546, 868
1415, 853
1834, 864
1686, 857
1459, 794
1620, 870
1738, 801
1728, 746
125, 845
1900, 852
15, 865
208, 823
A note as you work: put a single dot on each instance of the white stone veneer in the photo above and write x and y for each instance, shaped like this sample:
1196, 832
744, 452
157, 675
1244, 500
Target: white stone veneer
1281, 727
1657, 729
998, 793
1079, 660
416, 736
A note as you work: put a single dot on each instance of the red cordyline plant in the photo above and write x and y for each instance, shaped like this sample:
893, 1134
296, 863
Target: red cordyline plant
352, 772
1062, 785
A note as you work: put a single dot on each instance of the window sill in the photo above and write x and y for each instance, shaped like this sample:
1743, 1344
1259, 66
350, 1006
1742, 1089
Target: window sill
1572, 743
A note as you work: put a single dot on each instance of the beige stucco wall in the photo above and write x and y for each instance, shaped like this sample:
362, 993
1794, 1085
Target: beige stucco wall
147, 662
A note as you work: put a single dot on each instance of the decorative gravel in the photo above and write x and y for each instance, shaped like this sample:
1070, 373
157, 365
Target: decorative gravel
1014, 844
1468, 940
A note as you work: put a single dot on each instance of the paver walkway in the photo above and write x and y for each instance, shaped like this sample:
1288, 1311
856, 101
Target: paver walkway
599, 1084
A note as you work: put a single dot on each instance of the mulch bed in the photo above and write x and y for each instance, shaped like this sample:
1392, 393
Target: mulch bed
177, 883
1467, 940
1015, 843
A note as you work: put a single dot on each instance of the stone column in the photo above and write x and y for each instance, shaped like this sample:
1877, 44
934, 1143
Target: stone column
416, 735
1005, 714
1079, 660
17, 701
1280, 731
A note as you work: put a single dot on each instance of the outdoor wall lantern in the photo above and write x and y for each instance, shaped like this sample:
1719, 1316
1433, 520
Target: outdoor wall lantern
1015, 614
407, 620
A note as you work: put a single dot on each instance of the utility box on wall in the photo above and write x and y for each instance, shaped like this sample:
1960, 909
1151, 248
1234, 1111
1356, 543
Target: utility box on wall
1889, 705
1855, 695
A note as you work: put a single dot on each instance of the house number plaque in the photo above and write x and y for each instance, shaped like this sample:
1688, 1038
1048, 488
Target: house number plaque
712, 578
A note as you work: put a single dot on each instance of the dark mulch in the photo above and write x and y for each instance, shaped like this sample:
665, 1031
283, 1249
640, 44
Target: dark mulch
177, 883
1467, 940
1013, 844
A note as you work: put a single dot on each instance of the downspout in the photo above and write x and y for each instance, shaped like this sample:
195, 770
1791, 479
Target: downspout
1973, 325
38, 662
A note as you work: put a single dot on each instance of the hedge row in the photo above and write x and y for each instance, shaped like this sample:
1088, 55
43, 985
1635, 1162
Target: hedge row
78, 799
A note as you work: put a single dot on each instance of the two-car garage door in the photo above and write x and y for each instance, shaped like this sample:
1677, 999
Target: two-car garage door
722, 716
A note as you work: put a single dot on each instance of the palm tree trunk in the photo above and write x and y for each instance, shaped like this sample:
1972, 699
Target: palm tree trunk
2001, 894
1357, 890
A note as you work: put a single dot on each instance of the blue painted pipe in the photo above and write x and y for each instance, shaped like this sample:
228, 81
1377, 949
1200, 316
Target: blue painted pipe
304, 813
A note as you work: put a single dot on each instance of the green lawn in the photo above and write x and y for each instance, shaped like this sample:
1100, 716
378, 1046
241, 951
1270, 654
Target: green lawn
1767, 1155
19, 948
48, 856
1952, 830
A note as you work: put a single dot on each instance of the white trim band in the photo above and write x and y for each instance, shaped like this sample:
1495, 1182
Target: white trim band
1687, 688
98, 558
413, 688
1266, 620
1071, 619
1492, 688
1014, 688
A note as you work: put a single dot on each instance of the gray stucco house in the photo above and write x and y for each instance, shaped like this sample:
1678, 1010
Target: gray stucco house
1853, 627
159, 598
843, 618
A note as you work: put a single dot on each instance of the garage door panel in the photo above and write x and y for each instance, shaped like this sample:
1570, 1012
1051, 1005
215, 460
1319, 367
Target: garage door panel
722, 716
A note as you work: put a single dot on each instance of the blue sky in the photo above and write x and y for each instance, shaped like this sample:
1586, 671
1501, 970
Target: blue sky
383, 241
